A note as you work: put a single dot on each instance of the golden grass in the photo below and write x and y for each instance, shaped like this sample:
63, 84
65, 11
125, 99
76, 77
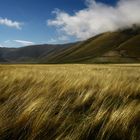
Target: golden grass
70, 102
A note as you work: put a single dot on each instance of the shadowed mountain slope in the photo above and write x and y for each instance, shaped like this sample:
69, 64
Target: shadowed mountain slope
29, 54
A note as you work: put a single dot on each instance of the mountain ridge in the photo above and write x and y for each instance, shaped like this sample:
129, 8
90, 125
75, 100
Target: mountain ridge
121, 46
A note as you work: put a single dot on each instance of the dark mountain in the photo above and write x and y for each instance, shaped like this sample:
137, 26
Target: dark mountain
122, 46
29, 54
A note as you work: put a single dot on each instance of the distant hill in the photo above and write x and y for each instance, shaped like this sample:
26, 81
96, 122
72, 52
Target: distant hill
122, 46
29, 54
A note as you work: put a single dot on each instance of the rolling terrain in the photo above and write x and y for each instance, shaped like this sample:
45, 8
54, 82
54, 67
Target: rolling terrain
122, 46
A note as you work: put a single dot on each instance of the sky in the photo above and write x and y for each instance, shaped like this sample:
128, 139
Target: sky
28, 22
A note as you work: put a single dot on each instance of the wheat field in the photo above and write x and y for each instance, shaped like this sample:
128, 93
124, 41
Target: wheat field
70, 102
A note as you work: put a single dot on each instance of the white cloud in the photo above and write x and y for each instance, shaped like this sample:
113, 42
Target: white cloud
97, 18
1, 45
6, 41
52, 40
10, 23
58, 40
63, 38
15, 43
24, 43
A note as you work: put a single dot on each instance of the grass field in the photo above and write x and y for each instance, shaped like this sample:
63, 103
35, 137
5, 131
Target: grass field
70, 102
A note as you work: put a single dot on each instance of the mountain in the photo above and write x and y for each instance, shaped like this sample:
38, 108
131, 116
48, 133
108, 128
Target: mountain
122, 46
29, 54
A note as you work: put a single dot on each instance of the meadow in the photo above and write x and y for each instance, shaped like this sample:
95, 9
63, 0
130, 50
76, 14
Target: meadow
70, 102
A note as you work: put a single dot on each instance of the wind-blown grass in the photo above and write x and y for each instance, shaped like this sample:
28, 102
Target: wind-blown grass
70, 102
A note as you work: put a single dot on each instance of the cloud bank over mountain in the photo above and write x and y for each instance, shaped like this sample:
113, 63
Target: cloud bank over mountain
97, 18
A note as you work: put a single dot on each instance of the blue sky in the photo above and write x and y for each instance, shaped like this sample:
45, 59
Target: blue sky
33, 14
24, 22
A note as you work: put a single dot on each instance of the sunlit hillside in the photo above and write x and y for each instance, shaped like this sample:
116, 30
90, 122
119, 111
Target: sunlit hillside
70, 102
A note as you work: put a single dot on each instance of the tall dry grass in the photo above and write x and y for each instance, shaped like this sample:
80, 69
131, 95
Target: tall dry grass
70, 102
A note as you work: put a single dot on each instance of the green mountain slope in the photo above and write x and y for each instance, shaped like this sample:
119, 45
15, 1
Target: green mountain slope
131, 47
119, 46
